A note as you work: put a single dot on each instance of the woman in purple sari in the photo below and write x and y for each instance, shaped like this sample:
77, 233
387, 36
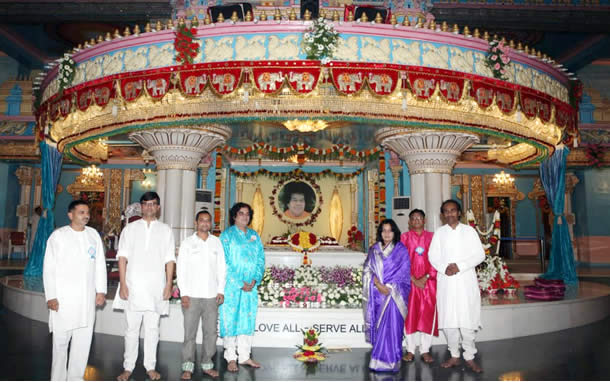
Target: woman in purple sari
386, 286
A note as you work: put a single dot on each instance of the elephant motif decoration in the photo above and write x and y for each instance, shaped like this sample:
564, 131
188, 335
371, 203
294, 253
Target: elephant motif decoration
132, 90
349, 82
84, 98
504, 101
301, 82
451, 90
268, 82
383, 83
530, 107
101, 95
194, 84
424, 87
484, 96
223, 83
64, 106
157, 87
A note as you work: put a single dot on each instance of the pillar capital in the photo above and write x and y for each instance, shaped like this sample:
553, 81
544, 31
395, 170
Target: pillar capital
181, 148
426, 151
24, 174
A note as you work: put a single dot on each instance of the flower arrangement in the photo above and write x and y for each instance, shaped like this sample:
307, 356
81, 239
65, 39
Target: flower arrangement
308, 286
355, 238
595, 155
67, 71
304, 242
497, 59
311, 350
186, 48
320, 41
492, 273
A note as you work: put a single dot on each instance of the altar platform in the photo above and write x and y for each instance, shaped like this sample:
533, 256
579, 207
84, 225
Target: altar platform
502, 318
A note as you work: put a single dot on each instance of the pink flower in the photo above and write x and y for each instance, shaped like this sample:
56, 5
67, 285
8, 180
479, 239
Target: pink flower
494, 57
497, 66
312, 298
503, 71
505, 59
494, 50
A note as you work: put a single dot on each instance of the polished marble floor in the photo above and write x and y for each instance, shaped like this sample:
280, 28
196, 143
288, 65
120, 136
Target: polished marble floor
575, 354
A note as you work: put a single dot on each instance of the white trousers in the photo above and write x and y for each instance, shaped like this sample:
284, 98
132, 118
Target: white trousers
132, 339
80, 344
423, 340
467, 340
242, 343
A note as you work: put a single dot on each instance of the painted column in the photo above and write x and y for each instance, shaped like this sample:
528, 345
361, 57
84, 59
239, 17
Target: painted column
430, 156
177, 153
24, 174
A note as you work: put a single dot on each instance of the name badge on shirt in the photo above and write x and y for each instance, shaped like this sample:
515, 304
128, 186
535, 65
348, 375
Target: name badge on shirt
419, 251
91, 252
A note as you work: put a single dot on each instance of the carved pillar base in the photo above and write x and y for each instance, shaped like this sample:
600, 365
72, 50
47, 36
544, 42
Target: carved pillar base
430, 156
177, 153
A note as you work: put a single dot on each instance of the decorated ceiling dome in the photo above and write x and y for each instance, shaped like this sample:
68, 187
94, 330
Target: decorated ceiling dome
266, 67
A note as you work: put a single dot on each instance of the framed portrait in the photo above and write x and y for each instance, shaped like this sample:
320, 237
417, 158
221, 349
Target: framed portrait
297, 201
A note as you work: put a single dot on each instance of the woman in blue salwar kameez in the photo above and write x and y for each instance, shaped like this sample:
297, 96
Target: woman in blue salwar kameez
245, 259
386, 286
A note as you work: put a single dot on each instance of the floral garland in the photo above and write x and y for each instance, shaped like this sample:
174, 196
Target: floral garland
497, 59
311, 286
302, 177
67, 70
320, 41
279, 175
492, 273
595, 155
311, 350
337, 151
304, 242
186, 48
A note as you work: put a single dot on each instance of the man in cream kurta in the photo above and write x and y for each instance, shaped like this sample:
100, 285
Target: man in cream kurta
74, 277
455, 251
146, 267
201, 279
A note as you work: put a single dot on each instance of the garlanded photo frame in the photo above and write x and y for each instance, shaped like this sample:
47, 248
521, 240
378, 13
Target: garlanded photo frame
296, 201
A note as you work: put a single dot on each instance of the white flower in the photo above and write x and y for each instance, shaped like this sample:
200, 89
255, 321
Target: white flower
325, 60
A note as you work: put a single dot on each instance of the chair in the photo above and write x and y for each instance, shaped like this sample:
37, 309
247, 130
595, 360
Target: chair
17, 240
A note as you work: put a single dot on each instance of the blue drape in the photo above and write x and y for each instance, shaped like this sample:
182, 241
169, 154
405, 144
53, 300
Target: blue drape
51, 168
553, 177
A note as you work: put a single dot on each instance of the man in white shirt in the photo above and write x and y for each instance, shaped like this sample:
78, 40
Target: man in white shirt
146, 269
74, 277
201, 279
455, 251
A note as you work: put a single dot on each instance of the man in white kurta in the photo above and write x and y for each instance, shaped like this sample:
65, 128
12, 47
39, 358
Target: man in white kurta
201, 278
146, 268
74, 277
455, 251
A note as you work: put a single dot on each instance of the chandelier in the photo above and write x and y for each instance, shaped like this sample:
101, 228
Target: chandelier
91, 175
503, 179
307, 126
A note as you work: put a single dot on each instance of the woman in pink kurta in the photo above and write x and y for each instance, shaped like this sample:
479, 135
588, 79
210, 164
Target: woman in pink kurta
421, 323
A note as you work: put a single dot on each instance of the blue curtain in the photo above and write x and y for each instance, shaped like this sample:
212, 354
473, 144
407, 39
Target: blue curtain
51, 168
553, 177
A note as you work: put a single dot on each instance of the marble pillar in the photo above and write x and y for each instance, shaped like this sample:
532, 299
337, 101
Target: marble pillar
177, 153
430, 156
